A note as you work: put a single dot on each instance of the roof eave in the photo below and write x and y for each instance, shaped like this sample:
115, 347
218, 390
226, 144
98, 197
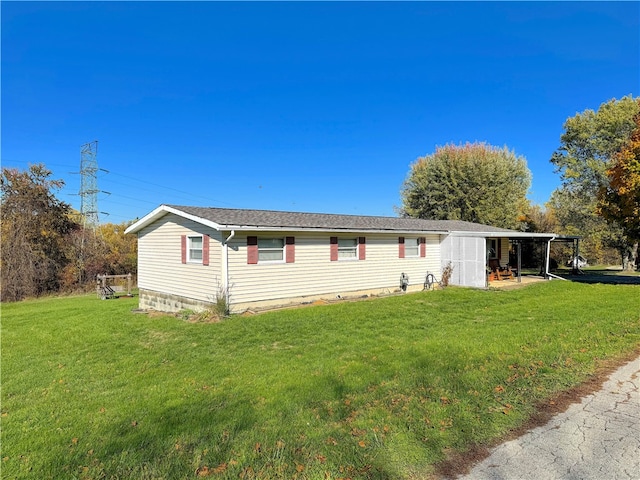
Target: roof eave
502, 234
291, 228
161, 211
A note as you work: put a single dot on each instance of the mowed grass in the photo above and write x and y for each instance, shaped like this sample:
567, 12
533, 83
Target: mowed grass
379, 389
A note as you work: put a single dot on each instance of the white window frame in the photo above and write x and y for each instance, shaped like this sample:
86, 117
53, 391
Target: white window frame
263, 249
492, 244
346, 250
412, 247
191, 249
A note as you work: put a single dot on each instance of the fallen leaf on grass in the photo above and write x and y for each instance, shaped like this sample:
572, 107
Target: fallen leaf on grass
220, 468
203, 471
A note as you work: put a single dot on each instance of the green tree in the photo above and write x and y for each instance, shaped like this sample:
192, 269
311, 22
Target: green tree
602, 242
588, 146
590, 141
34, 226
475, 182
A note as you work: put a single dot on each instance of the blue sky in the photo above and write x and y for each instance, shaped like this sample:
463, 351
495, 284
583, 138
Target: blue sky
311, 106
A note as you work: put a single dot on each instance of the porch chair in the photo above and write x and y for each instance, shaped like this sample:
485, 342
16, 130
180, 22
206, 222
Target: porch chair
498, 272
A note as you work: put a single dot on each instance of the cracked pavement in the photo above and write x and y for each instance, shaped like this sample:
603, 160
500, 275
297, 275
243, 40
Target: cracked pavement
596, 439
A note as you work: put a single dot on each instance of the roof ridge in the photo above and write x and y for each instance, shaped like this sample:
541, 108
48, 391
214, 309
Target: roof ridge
301, 213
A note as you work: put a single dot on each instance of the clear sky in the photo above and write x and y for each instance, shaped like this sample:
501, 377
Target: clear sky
311, 106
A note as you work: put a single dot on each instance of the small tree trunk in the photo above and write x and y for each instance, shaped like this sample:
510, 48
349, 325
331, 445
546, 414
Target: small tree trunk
633, 257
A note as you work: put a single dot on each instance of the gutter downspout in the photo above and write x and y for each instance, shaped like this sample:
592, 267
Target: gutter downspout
225, 262
546, 268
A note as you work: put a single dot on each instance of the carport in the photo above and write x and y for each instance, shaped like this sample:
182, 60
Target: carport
517, 238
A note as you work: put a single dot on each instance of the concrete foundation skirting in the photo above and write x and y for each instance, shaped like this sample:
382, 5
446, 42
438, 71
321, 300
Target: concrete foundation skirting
165, 302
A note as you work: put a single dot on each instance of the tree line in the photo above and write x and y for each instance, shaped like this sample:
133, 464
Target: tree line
598, 161
45, 246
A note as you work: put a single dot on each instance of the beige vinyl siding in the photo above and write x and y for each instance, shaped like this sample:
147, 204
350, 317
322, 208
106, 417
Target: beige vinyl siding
313, 273
504, 251
160, 266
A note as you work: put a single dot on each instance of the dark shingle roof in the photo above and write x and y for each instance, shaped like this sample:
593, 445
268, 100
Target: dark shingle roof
236, 218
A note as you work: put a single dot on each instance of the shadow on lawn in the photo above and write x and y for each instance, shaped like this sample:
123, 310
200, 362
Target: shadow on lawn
612, 277
173, 441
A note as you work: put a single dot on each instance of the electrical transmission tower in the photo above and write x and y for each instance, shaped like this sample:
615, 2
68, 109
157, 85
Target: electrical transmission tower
89, 184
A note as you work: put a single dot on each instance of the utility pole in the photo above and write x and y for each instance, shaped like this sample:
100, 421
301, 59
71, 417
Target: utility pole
89, 184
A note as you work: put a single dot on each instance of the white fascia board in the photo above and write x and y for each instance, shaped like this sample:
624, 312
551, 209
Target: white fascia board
507, 234
160, 212
254, 228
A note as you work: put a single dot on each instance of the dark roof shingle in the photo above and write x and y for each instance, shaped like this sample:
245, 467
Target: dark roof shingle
227, 217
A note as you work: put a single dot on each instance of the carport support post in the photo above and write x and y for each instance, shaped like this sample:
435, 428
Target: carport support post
576, 254
519, 254
546, 259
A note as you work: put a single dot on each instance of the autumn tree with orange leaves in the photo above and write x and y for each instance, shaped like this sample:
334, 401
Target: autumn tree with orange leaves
589, 148
619, 201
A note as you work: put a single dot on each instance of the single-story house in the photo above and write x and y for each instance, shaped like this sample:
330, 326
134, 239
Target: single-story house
189, 256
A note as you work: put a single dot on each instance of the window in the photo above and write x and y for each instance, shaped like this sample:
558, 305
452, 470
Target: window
270, 249
492, 248
411, 247
194, 249
347, 248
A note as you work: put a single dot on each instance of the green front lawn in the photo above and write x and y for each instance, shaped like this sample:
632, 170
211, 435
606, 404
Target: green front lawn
373, 389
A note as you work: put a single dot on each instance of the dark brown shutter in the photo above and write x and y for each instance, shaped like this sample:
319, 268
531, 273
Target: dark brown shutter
423, 247
334, 248
290, 249
183, 248
252, 250
362, 250
400, 247
205, 250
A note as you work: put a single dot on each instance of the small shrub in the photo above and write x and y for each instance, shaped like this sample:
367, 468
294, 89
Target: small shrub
218, 308
446, 275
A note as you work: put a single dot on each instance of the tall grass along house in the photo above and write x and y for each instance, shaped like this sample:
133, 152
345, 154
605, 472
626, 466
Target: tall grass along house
189, 256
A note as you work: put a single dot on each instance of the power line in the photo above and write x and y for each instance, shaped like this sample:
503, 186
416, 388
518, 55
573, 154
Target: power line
188, 194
